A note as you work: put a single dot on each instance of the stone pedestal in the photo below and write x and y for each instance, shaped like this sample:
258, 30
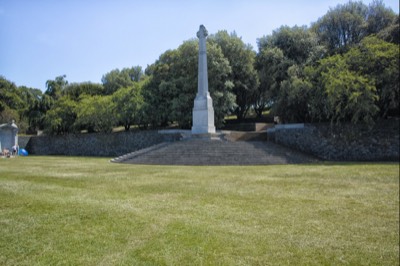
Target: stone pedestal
203, 115
203, 111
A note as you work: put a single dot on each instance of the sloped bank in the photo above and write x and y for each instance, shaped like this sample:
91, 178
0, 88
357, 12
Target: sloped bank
342, 143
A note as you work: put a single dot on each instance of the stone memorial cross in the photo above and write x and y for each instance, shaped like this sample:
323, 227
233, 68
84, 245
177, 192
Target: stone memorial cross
203, 111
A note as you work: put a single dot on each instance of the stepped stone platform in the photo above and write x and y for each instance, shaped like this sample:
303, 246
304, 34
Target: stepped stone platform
211, 151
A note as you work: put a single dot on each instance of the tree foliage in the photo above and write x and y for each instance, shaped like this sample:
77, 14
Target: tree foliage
286, 48
9, 95
241, 58
378, 61
379, 17
297, 44
96, 113
31, 113
392, 32
60, 119
55, 87
293, 99
14, 103
75, 90
272, 70
116, 79
347, 24
128, 104
350, 96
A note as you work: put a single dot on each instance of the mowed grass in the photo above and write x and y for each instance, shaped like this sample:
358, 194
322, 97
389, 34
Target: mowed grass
87, 211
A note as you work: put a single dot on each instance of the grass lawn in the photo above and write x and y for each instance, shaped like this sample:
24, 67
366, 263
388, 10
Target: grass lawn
87, 211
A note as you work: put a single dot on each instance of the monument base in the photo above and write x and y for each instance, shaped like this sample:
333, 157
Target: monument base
203, 115
187, 134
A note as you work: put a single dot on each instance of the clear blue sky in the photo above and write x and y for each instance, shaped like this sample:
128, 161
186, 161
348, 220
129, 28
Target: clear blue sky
84, 39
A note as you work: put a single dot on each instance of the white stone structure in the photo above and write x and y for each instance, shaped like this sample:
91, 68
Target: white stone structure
203, 111
8, 136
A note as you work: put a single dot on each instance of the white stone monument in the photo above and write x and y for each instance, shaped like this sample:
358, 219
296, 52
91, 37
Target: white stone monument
8, 136
203, 111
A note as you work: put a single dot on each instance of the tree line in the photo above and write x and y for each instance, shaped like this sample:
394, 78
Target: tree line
342, 68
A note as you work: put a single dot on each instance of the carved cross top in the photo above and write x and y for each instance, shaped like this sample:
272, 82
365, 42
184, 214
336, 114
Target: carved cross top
202, 33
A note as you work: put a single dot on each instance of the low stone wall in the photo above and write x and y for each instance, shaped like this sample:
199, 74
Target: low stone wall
23, 141
342, 143
248, 126
98, 144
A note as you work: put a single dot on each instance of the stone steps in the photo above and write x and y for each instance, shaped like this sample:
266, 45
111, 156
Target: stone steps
215, 152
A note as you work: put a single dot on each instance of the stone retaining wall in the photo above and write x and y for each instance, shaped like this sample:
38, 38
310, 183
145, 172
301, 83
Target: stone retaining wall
342, 143
248, 126
23, 141
336, 143
97, 144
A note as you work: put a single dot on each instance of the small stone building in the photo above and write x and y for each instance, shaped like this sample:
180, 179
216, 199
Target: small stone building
8, 136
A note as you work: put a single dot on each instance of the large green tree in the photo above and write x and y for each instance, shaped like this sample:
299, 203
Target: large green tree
116, 79
128, 104
272, 70
75, 90
60, 119
358, 86
157, 94
38, 110
342, 26
298, 44
9, 95
54, 88
392, 32
287, 47
31, 113
293, 99
96, 113
350, 96
347, 24
378, 61
241, 58
12, 103
379, 17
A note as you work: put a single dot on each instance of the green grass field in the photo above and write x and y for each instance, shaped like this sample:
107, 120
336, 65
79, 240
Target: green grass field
87, 211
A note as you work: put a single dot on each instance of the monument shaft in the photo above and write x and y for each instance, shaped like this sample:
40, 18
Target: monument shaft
203, 111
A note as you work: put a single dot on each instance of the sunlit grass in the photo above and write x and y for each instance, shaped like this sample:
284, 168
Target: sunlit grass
87, 211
